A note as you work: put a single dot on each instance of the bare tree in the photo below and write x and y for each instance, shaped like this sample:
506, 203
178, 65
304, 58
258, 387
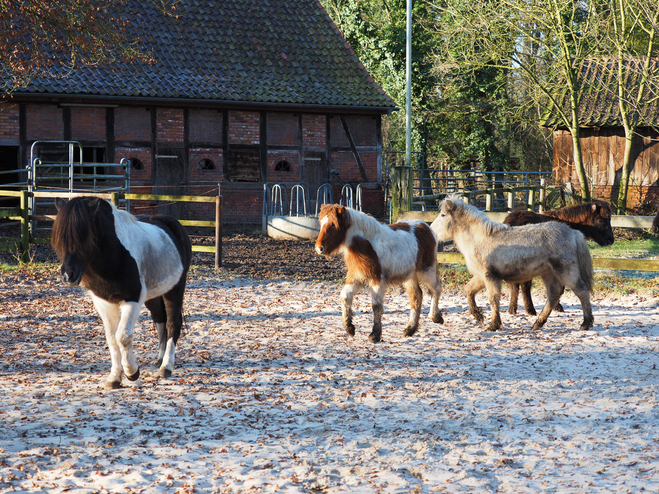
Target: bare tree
540, 43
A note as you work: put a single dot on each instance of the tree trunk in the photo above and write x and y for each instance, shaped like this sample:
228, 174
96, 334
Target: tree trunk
579, 164
626, 170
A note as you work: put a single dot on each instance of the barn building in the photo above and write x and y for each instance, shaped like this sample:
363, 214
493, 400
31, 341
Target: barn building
239, 93
603, 139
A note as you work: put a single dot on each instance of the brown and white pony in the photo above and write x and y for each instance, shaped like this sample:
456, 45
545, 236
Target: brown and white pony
593, 219
495, 252
378, 255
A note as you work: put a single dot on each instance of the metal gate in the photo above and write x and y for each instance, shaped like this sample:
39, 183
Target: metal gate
57, 166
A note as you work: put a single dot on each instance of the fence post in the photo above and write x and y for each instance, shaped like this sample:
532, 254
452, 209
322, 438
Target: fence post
218, 232
402, 193
488, 200
542, 197
531, 199
25, 227
114, 199
511, 200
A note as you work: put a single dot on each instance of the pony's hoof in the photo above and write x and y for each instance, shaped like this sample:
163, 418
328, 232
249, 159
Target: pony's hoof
350, 329
531, 311
409, 331
135, 376
585, 326
374, 338
113, 385
438, 319
537, 326
493, 327
512, 310
166, 373
559, 308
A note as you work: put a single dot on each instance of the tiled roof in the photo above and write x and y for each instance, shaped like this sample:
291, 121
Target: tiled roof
598, 105
272, 51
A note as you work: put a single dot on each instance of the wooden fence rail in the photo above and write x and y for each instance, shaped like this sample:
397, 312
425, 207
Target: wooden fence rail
598, 262
21, 213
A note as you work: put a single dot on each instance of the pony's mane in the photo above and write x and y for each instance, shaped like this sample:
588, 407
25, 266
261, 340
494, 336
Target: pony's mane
581, 213
365, 222
73, 229
472, 215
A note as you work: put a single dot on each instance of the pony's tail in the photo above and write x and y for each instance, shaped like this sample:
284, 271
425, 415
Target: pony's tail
585, 262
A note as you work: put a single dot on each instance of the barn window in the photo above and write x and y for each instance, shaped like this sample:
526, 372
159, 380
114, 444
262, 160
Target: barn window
136, 164
282, 166
206, 164
243, 165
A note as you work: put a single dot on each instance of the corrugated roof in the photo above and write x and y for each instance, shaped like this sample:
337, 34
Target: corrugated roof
258, 51
598, 105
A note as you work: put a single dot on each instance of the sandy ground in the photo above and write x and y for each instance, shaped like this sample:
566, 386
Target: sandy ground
270, 395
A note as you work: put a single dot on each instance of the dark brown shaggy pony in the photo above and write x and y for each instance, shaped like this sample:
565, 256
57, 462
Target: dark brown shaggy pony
593, 219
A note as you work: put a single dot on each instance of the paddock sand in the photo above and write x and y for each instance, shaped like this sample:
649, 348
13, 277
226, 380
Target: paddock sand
270, 395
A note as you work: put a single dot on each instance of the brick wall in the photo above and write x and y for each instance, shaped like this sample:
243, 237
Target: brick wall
282, 129
197, 173
132, 124
277, 157
313, 130
205, 125
44, 122
88, 124
9, 121
137, 176
169, 125
243, 205
244, 127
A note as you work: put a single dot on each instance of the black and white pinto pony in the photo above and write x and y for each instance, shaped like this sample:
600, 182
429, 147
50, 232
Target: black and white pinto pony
125, 263
377, 255
593, 219
495, 252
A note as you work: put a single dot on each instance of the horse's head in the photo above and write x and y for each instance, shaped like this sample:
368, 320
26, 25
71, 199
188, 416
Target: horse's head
601, 221
443, 224
334, 224
74, 235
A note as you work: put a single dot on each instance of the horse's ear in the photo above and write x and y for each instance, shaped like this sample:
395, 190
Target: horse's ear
59, 203
449, 205
95, 205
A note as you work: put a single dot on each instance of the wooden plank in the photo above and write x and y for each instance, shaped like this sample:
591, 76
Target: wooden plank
598, 262
150, 197
11, 193
210, 224
617, 221
203, 248
10, 212
70, 195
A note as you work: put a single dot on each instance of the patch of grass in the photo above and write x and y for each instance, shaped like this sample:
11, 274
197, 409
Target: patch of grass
640, 248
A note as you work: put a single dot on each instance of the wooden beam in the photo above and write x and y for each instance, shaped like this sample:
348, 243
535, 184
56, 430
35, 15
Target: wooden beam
351, 141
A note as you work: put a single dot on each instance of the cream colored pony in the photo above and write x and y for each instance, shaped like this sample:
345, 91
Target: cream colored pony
495, 252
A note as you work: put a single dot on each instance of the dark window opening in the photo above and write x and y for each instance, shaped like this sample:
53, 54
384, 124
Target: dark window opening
136, 164
206, 164
244, 165
282, 166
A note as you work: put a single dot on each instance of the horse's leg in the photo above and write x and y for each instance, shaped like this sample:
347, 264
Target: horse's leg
514, 295
174, 306
528, 300
493, 286
554, 291
347, 294
415, 294
377, 301
129, 311
110, 316
432, 280
158, 312
581, 290
475, 285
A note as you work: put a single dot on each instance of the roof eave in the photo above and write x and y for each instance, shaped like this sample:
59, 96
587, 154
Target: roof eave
149, 101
